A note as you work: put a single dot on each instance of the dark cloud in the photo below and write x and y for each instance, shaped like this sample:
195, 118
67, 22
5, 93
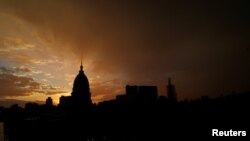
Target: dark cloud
12, 85
202, 44
5, 70
22, 69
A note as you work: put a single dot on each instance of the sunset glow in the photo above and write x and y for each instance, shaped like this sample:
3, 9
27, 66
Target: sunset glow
41, 44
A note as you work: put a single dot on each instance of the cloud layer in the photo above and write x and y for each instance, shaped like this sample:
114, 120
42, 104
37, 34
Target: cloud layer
14, 85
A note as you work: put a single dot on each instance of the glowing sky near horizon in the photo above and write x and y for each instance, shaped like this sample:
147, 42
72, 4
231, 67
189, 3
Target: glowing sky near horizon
25, 54
203, 46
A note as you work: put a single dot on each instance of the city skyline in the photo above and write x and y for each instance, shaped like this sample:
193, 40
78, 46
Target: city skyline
202, 46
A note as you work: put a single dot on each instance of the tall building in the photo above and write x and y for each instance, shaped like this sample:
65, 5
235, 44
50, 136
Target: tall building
171, 93
81, 92
80, 96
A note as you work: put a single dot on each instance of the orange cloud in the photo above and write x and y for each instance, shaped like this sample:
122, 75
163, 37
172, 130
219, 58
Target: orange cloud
13, 85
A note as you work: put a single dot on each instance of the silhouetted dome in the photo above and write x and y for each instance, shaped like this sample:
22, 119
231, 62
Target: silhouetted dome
81, 85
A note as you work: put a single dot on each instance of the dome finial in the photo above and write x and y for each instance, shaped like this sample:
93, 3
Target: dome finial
81, 67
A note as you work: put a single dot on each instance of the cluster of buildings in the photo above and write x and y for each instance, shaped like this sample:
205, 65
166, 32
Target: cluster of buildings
81, 96
146, 94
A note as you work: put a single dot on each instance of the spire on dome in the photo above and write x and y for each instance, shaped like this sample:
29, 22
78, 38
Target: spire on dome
81, 67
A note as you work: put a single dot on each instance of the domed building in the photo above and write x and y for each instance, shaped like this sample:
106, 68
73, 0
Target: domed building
80, 96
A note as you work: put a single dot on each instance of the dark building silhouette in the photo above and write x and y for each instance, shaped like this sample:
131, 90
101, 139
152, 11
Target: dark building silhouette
80, 96
171, 93
139, 95
65, 101
49, 101
130, 90
81, 92
142, 90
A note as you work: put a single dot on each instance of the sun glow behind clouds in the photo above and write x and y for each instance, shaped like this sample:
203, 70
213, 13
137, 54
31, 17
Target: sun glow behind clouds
201, 45
25, 53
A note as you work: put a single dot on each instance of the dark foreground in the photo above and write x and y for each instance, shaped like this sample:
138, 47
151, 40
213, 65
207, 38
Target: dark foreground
114, 121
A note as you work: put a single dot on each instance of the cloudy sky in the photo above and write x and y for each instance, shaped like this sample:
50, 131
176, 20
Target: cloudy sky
202, 45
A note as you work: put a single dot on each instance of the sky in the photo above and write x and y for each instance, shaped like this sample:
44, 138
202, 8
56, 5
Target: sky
202, 45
